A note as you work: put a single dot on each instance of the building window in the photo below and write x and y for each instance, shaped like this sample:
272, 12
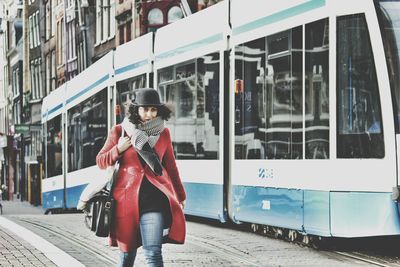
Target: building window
121, 34
38, 63
82, 60
15, 82
71, 40
34, 32
155, 20
60, 42
105, 20
30, 32
6, 75
48, 21
17, 112
48, 73
33, 82
174, 14
53, 70
112, 19
155, 16
128, 31
37, 29
99, 23
80, 57
53, 18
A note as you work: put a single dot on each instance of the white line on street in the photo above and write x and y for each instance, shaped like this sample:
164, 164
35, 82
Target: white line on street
53, 253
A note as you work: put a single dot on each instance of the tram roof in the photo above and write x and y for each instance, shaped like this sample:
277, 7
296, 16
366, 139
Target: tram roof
134, 57
201, 33
87, 83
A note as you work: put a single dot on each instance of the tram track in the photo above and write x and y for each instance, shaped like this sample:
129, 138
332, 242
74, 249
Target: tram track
359, 256
222, 250
366, 258
365, 253
216, 248
230, 253
68, 237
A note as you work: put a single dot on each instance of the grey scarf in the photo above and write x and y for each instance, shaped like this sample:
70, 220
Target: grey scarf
144, 136
148, 131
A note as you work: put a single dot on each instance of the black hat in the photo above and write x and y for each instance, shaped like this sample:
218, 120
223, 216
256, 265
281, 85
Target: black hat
146, 97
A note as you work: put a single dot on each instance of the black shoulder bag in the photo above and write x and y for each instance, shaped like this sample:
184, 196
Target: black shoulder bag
100, 217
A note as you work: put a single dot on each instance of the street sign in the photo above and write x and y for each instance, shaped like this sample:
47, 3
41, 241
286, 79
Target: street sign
35, 127
26, 128
22, 128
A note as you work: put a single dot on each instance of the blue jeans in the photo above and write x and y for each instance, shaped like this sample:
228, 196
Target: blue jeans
151, 230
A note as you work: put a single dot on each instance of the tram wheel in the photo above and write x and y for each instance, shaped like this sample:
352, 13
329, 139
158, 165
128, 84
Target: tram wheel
292, 235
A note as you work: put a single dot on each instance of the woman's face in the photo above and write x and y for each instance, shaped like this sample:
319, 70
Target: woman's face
147, 113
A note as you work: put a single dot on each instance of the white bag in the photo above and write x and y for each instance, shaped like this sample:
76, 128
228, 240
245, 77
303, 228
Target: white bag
97, 184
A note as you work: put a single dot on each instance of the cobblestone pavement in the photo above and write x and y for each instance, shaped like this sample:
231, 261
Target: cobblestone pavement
17, 252
207, 244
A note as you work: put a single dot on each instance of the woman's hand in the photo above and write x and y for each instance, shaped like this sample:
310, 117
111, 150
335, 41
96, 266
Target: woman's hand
82, 205
123, 144
182, 203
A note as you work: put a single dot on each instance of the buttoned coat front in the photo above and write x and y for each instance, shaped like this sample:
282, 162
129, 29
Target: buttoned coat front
125, 232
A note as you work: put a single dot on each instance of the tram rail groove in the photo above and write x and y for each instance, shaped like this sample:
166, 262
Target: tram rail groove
220, 249
320, 244
75, 241
216, 247
362, 257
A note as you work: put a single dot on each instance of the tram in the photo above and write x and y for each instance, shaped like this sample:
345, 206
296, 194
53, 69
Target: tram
285, 114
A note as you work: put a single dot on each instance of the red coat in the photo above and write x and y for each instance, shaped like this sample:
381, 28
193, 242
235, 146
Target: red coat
126, 191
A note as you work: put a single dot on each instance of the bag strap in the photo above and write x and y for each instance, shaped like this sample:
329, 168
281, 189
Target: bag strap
116, 168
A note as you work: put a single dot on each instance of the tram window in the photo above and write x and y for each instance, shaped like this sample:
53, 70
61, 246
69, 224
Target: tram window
87, 131
166, 75
125, 90
269, 98
359, 124
191, 90
279, 44
54, 149
317, 90
285, 120
251, 99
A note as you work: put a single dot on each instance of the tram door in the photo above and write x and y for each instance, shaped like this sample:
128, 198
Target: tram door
34, 189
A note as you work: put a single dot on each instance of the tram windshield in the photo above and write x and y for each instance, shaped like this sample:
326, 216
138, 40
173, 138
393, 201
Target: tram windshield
53, 160
389, 20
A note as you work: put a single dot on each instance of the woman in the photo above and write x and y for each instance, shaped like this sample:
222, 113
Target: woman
149, 193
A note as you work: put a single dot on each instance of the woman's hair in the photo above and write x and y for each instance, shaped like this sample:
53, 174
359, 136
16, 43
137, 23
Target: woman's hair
133, 113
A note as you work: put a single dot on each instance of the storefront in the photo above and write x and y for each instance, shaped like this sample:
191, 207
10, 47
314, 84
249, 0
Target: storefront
3, 166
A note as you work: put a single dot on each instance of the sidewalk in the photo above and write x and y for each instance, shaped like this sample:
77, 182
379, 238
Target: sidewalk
18, 207
21, 247
15, 251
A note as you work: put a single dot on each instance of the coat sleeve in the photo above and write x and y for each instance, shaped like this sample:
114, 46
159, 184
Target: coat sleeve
169, 164
109, 154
